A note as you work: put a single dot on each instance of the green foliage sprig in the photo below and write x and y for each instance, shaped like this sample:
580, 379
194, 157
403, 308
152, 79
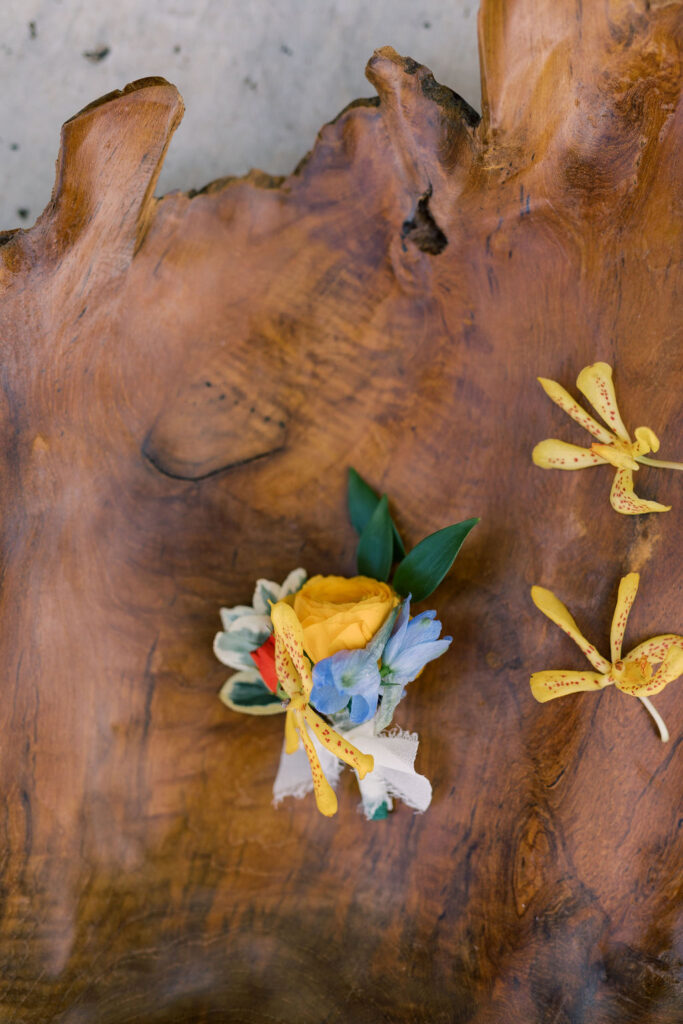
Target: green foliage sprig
420, 571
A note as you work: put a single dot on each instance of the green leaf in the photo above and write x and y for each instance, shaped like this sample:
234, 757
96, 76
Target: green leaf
247, 693
422, 570
376, 543
381, 813
362, 503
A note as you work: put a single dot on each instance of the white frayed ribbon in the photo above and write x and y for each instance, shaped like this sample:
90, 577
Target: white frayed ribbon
393, 776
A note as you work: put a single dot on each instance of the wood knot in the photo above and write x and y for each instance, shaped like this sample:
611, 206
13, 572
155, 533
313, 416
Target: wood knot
422, 230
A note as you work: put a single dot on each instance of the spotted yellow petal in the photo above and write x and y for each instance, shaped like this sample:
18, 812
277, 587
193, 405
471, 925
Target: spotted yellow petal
325, 796
646, 440
628, 588
338, 745
595, 382
291, 734
287, 675
638, 680
623, 498
289, 641
670, 669
557, 683
554, 454
546, 602
654, 650
617, 457
565, 401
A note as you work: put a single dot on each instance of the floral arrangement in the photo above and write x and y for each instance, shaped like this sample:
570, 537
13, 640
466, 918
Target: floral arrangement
336, 655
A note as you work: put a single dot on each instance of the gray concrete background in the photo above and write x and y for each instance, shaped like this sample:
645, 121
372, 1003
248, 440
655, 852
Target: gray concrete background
258, 78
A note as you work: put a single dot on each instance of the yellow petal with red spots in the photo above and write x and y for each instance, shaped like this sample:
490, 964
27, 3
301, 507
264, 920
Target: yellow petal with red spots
655, 649
595, 382
325, 796
288, 631
291, 734
670, 669
628, 588
548, 685
287, 675
617, 457
337, 745
646, 441
554, 454
565, 401
623, 498
546, 602
637, 678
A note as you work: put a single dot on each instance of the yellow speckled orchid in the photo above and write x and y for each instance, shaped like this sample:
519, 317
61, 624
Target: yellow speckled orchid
613, 446
634, 674
294, 675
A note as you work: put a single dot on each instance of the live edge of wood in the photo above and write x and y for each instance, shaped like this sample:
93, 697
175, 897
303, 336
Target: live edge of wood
184, 382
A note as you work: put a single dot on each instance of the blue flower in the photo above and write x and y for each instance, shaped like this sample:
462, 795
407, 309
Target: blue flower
347, 675
351, 676
413, 643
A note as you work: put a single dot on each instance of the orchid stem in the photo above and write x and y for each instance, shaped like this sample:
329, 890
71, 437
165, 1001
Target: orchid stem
663, 731
657, 462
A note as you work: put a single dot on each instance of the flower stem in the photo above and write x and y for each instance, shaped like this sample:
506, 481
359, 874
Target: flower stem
657, 462
663, 731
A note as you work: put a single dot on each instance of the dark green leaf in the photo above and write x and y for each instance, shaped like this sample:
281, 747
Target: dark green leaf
252, 698
247, 695
362, 503
376, 543
422, 570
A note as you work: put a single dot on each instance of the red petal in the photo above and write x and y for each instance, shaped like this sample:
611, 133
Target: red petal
264, 659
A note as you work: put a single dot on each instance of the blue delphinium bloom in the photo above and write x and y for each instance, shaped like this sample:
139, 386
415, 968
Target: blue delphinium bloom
351, 676
413, 643
347, 675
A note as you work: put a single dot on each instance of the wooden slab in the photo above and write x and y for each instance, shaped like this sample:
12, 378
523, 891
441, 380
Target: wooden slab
184, 382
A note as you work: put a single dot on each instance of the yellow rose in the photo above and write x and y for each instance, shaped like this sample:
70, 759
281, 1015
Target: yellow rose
339, 614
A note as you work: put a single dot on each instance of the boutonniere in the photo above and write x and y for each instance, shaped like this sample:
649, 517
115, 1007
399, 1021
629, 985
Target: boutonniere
337, 654
612, 446
643, 672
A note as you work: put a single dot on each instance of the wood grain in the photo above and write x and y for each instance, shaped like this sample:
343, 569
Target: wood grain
184, 382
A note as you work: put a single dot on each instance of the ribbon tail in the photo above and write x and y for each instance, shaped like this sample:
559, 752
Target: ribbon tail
394, 775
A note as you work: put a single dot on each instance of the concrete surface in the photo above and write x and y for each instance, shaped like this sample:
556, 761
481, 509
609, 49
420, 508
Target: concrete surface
258, 77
